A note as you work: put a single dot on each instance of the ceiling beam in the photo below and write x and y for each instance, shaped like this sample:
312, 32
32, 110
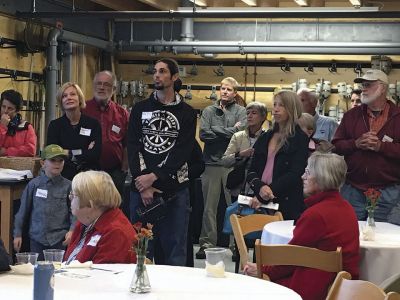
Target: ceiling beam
122, 5
161, 4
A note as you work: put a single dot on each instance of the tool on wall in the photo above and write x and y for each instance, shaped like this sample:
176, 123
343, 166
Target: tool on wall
213, 95
193, 71
188, 94
220, 70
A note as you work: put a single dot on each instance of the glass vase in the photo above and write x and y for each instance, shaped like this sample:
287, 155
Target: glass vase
371, 219
140, 281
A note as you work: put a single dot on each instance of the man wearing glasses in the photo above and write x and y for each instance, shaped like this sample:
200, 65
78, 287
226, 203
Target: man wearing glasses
369, 139
113, 119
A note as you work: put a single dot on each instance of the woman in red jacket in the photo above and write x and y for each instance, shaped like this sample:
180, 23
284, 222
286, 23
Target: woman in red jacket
102, 234
17, 137
328, 222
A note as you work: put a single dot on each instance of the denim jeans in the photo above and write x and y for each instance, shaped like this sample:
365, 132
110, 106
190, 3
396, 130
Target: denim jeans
38, 248
390, 198
170, 233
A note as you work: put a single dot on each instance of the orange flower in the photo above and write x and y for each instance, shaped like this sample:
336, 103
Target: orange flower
372, 196
143, 235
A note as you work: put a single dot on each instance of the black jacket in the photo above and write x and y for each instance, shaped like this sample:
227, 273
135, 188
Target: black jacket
5, 259
77, 139
160, 141
289, 165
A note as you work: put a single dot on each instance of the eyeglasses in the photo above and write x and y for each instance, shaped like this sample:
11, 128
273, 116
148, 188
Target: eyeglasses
71, 196
368, 84
307, 172
100, 84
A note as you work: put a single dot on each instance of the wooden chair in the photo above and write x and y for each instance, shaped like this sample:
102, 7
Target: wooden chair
344, 288
391, 284
291, 255
242, 225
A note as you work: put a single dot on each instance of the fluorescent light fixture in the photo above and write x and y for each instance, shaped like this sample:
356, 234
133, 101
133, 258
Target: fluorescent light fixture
250, 2
301, 2
200, 2
355, 2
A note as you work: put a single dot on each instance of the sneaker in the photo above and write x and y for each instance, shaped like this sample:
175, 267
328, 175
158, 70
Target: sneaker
201, 254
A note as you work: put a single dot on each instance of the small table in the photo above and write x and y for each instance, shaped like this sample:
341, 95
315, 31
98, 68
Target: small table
167, 282
379, 259
9, 192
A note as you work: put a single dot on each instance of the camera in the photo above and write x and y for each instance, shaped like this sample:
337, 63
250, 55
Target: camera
156, 210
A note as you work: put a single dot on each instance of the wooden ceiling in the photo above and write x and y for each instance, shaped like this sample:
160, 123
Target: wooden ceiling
136, 5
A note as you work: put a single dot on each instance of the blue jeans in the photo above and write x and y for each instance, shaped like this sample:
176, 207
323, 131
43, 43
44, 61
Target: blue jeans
170, 233
38, 248
390, 198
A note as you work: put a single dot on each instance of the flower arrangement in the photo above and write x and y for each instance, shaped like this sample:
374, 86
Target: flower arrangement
372, 197
144, 234
140, 281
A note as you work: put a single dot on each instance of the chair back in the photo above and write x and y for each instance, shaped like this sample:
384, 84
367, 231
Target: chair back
242, 225
292, 255
392, 284
344, 288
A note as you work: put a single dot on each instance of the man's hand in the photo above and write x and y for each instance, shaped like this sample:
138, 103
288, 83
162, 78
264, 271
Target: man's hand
247, 152
143, 182
17, 243
5, 119
368, 141
238, 124
266, 193
254, 203
147, 195
250, 269
67, 240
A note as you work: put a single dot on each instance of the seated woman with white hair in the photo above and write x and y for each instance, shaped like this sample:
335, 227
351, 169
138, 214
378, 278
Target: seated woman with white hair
328, 222
102, 234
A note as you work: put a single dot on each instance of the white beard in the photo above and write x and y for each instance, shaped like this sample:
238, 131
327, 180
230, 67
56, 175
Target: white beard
371, 97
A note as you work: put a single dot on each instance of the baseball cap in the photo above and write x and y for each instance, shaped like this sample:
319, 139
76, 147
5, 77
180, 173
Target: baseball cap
53, 150
373, 75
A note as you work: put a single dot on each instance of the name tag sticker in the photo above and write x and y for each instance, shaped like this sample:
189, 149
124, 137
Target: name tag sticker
85, 131
116, 129
76, 152
94, 240
146, 115
41, 193
387, 139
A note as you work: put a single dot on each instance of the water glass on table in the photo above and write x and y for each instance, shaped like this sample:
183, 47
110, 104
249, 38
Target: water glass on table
215, 266
54, 256
26, 258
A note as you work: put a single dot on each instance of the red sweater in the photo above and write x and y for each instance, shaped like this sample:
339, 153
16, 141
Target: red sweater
22, 144
366, 168
109, 241
328, 222
114, 128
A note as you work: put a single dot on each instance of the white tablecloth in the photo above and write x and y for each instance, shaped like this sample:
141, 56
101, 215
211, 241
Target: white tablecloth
380, 258
167, 283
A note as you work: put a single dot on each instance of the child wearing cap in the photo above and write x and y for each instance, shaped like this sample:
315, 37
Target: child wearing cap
45, 206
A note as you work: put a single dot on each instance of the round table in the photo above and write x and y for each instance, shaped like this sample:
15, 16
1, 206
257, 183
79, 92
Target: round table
167, 282
380, 258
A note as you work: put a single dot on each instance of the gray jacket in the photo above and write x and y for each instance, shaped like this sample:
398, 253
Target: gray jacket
217, 127
45, 204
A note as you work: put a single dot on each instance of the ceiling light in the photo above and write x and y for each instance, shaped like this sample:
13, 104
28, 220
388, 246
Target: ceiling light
199, 2
355, 2
301, 2
250, 2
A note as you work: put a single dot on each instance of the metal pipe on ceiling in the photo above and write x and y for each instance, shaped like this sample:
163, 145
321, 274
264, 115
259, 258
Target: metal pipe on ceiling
288, 47
51, 77
256, 12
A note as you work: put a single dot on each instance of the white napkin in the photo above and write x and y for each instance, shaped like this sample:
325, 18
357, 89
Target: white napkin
24, 269
76, 264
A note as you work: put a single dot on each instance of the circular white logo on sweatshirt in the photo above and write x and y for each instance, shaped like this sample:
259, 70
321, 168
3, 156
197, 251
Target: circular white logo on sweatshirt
160, 131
